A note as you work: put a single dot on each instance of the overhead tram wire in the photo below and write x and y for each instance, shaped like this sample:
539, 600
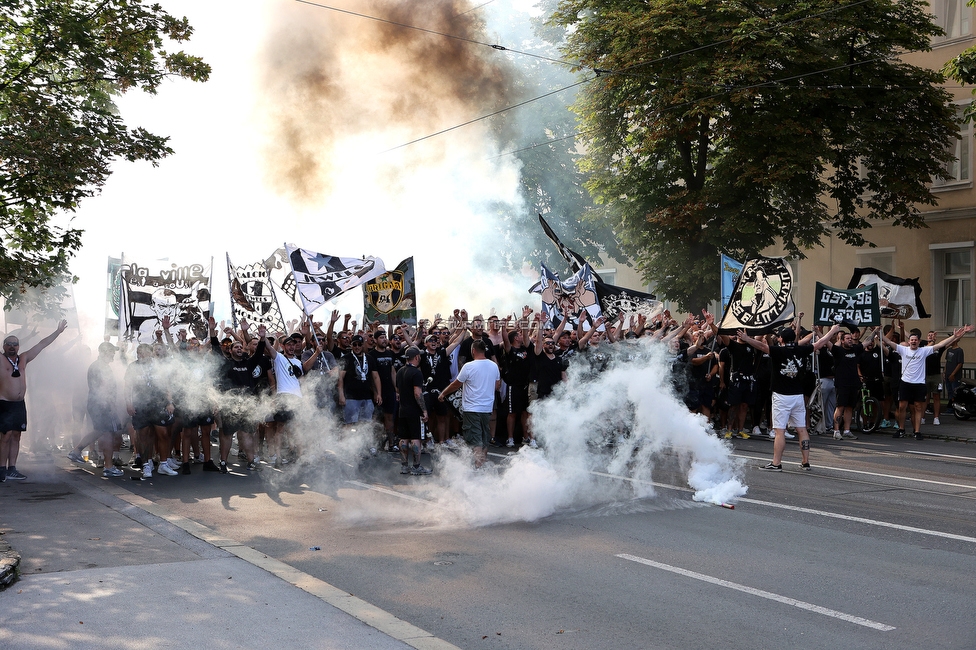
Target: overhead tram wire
597, 71
464, 39
485, 117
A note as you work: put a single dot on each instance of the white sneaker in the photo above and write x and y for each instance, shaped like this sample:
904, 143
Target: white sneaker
510, 442
147, 469
771, 434
174, 463
936, 421
450, 444
789, 436
756, 431
533, 444
923, 420
372, 451
167, 470
837, 435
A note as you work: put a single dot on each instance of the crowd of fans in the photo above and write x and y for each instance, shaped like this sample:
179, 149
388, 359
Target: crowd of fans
181, 395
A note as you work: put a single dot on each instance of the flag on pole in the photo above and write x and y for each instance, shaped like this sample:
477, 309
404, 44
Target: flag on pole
319, 278
252, 298
730, 275
617, 300
575, 299
574, 259
279, 271
897, 297
851, 306
762, 299
391, 298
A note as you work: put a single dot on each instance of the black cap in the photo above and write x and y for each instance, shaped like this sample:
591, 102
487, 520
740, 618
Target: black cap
787, 334
411, 352
357, 339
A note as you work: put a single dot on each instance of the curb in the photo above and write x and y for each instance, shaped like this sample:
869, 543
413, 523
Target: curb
9, 564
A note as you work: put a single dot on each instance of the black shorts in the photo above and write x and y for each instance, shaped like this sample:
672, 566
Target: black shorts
285, 407
517, 399
912, 392
13, 416
389, 401
151, 417
104, 419
434, 405
193, 420
742, 391
846, 396
409, 428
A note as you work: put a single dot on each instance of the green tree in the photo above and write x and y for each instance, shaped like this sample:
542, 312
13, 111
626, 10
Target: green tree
730, 126
61, 63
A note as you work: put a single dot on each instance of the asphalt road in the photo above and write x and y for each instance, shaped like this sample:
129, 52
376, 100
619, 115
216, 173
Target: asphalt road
875, 548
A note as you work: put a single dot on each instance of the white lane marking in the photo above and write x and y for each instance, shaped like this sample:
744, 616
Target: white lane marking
861, 520
860, 471
857, 620
932, 453
809, 511
394, 493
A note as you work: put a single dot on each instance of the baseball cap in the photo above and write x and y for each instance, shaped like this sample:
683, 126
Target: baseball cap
411, 352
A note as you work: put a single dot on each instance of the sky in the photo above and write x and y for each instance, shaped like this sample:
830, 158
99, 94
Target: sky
290, 140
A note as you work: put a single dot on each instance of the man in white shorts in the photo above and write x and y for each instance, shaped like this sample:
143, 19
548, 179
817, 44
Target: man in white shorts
787, 367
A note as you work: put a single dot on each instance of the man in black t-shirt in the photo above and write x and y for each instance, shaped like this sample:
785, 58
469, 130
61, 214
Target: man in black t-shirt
847, 382
384, 360
413, 412
517, 375
787, 374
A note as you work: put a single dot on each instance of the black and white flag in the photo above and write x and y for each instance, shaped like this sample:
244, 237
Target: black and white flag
762, 299
852, 307
160, 291
252, 298
320, 278
897, 297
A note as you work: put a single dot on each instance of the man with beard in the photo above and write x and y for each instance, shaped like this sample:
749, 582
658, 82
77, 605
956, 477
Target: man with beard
240, 381
359, 386
384, 360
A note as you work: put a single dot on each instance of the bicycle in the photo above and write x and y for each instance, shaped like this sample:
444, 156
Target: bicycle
867, 411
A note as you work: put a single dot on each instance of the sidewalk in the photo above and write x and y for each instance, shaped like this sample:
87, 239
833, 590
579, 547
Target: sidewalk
102, 567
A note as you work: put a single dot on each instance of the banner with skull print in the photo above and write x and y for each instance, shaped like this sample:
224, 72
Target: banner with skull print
575, 299
252, 298
762, 299
391, 298
160, 291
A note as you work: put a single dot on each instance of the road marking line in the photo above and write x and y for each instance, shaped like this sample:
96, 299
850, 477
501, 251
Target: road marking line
931, 453
860, 471
861, 520
857, 620
394, 493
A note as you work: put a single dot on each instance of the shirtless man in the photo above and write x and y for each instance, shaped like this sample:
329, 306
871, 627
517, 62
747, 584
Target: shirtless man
13, 411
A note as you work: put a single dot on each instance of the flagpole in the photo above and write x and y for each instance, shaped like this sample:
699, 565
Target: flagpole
230, 290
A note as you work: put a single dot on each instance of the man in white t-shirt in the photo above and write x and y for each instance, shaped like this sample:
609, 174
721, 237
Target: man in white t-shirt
480, 379
288, 370
913, 376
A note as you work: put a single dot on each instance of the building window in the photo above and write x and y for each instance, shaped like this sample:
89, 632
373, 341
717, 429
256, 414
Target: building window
954, 285
609, 276
959, 170
953, 16
881, 259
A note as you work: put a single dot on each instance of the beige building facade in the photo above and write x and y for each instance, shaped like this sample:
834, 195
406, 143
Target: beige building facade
943, 255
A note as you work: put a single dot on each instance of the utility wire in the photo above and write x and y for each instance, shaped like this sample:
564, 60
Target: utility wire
484, 117
501, 48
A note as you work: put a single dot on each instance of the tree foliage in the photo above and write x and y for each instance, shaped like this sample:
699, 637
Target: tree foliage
61, 63
729, 126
